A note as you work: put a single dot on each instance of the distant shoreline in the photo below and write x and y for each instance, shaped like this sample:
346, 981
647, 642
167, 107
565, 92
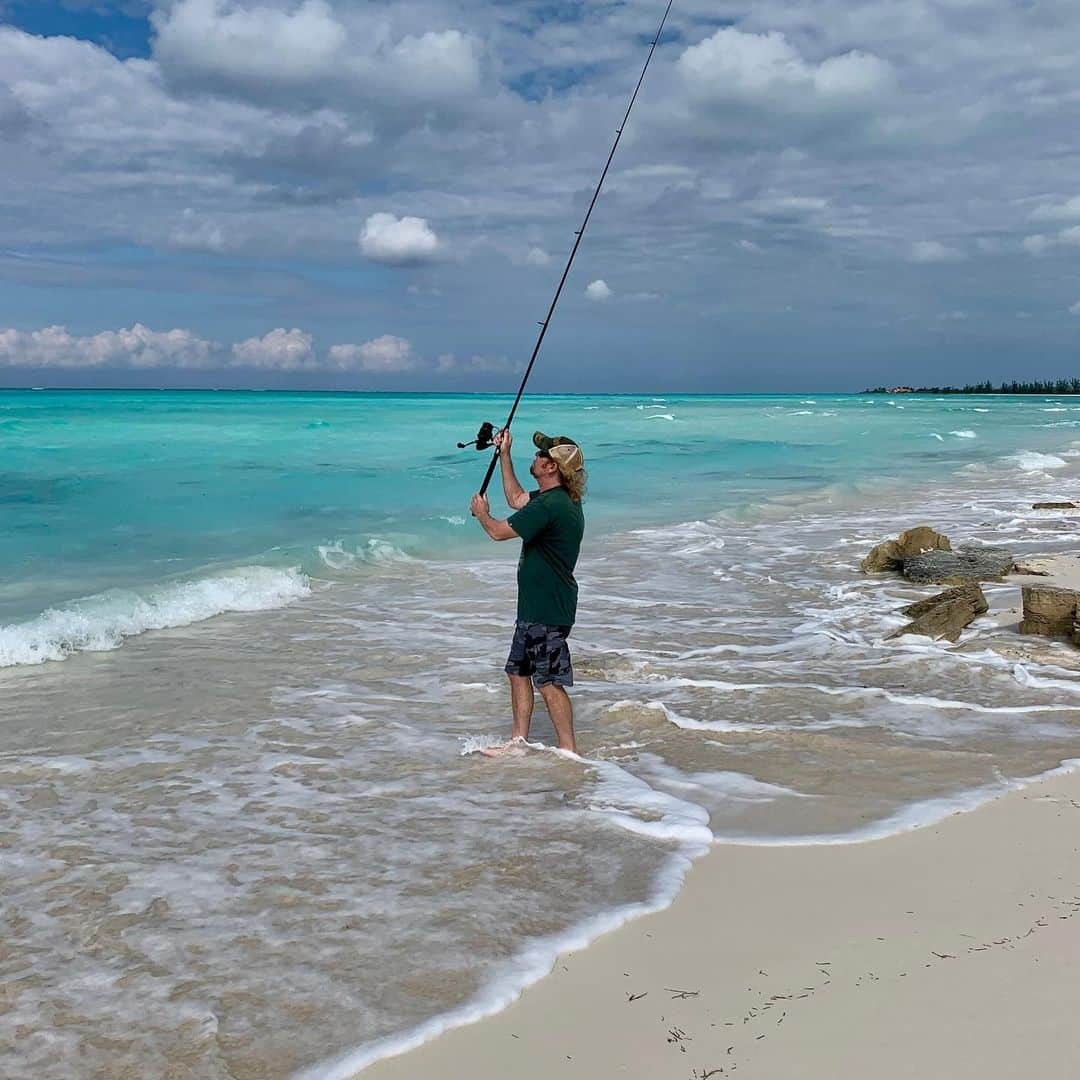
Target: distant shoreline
1058, 388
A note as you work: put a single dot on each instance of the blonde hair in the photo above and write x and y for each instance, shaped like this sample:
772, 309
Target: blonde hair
575, 483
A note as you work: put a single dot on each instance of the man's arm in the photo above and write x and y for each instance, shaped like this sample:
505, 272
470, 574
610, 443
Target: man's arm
496, 529
516, 495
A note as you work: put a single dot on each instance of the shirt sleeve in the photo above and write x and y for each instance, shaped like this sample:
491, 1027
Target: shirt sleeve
531, 519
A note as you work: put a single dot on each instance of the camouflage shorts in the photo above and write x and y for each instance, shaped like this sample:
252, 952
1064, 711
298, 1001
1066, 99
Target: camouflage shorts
541, 651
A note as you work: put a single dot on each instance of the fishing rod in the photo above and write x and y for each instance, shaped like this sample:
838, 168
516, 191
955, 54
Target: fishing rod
485, 437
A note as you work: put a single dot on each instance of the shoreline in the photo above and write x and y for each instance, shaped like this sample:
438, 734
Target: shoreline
945, 950
485, 1046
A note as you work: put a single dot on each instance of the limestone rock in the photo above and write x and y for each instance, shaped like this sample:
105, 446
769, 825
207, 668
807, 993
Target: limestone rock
1049, 611
959, 567
892, 553
922, 538
885, 556
1055, 506
944, 615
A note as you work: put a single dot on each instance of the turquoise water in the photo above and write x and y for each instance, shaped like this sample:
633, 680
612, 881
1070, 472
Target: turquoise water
255, 843
107, 490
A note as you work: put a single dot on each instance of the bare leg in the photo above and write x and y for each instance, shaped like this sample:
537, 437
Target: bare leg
521, 702
561, 712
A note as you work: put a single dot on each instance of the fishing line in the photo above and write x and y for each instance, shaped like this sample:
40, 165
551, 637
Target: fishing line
484, 438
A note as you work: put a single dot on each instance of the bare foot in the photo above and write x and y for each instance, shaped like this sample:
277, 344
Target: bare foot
513, 748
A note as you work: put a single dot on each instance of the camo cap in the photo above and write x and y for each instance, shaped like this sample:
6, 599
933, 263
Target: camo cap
562, 450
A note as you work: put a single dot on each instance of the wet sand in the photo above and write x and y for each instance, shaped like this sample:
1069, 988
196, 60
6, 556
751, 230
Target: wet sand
947, 951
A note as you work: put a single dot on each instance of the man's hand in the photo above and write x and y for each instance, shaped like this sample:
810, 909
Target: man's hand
503, 441
480, 506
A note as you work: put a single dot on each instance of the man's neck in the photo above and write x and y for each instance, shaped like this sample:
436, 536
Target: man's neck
547, 485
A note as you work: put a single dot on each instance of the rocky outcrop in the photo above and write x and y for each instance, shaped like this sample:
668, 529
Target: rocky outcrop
1050, 612
944, 615
966, 564
893, 554
1055, 506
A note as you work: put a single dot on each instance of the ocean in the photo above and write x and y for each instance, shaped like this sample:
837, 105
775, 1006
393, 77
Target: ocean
248, 639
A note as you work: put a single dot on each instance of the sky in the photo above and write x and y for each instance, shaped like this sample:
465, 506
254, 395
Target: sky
810, 195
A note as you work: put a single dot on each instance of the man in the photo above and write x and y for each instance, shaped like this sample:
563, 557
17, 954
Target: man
551, 523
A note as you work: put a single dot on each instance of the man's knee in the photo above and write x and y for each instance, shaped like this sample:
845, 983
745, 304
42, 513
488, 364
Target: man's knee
552, 691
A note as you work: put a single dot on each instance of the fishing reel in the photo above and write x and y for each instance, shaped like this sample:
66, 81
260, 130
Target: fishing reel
485, 438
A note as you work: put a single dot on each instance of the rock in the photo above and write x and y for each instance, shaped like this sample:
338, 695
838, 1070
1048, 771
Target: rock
944, 615
1049, 611
885, 556
1055, 506
959, 567
892, 553
922, 538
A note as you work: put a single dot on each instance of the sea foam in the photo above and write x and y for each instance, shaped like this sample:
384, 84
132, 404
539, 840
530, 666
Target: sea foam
102, 622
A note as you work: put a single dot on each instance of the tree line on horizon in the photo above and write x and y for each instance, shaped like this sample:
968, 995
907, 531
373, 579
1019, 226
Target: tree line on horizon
1048, 386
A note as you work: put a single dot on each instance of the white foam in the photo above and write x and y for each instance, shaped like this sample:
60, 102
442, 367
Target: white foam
916, 816
99, 623
337, 557
616, 793
963, 434
734, 786
1032, 461
660, 416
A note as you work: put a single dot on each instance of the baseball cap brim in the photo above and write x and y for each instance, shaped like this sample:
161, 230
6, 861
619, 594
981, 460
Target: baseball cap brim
546, 442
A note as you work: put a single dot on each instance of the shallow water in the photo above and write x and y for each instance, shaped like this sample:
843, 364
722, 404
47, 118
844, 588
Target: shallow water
249, 844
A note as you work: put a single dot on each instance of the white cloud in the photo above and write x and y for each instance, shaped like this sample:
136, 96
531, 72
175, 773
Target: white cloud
383, 355
234, 43
1040, 243
765, 69
1075, 308
448, 363
598, 290
279, 350
933, 251
1066, 211
397, 241
196, 234
748, 245
538, 257
437, 63
137, 347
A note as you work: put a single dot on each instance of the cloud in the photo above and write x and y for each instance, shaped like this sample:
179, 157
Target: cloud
237, 46
394, 241
449, 364
279, 350
197, 235
933, 251
598, 290
1066, 211
384, 355
345, 57
538, 257
1075, 308
766, 70
138, 347
1040, 243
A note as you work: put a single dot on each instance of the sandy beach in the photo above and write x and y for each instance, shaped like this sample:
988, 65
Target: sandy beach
948, 951
945, 951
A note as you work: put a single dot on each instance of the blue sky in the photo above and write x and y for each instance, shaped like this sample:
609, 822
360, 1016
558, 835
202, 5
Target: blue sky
812, 194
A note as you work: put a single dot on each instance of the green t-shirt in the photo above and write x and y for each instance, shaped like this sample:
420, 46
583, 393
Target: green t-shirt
551, 525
